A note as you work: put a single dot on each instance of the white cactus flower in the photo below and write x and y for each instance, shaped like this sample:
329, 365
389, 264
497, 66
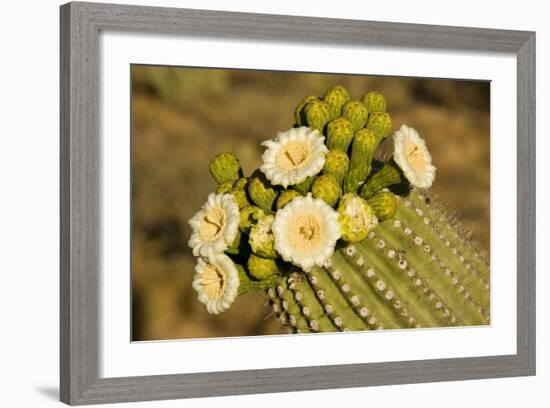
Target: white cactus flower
293, 156
306, 231
216, 282
215, 226
412, 156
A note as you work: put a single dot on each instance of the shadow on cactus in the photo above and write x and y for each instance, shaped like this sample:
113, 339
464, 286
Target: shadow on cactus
341, 237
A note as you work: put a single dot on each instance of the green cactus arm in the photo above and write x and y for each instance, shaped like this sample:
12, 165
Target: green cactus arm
446, 286
448, 231
374, 295
338, 305
312, 309
418, 301
475, 279
296, 319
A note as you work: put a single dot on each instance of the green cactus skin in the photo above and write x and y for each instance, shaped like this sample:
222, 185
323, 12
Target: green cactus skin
374, 102
356, 112
365, 143
317, 114
413, 270
304, 187
380, 123
336, 164
261, 268
326, 188
384, 205
286, 197
299, 114
336, 96
387, 176
339, 133
261, 192
225, 167
249, 216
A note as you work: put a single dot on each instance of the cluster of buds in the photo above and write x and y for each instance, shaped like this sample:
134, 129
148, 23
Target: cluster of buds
319, 186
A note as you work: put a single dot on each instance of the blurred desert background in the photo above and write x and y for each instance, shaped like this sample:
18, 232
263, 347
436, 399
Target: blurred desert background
182, 117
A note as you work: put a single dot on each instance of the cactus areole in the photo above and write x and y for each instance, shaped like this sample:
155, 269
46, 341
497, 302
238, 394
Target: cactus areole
323, 229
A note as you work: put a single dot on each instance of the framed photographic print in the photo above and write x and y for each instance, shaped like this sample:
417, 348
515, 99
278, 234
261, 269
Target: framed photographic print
259, 203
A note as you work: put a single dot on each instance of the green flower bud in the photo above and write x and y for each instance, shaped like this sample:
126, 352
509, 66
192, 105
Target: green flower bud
336, 96
261, 191
384, 205
224, 187
355, 178
286, 197
364, 145
299, 114
248, 283
225, 167
387, 176
339, 133
380, 123
374, 102
241, 183
250, 215
261, 268
326, 187
261, 238
356, 218
305, 185
337, 164
317, 114
356, 112
239, 192
238, 246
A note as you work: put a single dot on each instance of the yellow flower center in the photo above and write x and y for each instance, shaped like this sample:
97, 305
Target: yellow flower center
212, 224
306, 232
213, 281
416, 156
292, 155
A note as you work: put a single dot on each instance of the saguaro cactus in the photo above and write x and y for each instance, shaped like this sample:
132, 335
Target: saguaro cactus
338, 240
413, 270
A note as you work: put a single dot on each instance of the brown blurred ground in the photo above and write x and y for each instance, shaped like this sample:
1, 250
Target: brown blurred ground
183, 117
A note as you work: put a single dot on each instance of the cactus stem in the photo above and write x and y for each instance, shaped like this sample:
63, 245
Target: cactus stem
312, 309
296, 319
440, 279
475, 279
450, 236
381, 311
388, 293
426, 305
276, 306
338, 308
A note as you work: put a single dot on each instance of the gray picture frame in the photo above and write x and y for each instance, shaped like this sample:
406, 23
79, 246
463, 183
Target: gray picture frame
81, 24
